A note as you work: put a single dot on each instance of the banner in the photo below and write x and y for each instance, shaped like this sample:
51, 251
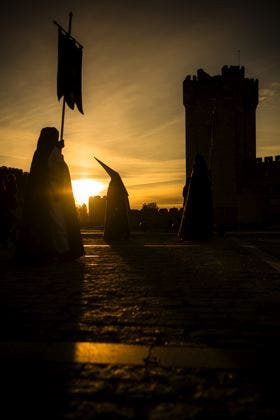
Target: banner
69, 70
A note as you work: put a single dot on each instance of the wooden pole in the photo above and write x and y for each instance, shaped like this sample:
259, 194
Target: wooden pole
63, 104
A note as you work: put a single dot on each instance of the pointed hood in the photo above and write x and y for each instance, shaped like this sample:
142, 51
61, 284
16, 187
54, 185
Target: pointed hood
113, 174
109, 170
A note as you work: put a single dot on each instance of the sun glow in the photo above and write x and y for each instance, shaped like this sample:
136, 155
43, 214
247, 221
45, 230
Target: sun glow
85, 188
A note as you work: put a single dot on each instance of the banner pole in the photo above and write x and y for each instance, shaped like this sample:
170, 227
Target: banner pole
63, 104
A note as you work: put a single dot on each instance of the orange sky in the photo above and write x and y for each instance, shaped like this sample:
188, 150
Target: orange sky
136, 56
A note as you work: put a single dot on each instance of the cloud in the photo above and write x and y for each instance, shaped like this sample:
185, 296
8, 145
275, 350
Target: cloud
135, 60
165, 194
270, 93
14, 162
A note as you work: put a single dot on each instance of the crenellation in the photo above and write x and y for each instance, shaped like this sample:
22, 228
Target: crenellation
233, 71
231, 85
268, 160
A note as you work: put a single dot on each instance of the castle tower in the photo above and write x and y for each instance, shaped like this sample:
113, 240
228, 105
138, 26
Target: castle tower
96, 207
221, 125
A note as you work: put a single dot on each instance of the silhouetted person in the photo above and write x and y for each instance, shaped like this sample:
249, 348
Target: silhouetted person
117, 224
50, 228
196, 220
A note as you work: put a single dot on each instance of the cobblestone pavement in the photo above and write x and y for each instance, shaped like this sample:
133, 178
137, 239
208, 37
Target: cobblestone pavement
152, 290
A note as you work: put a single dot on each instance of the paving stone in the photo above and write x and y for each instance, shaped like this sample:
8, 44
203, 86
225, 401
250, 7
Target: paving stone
153, 291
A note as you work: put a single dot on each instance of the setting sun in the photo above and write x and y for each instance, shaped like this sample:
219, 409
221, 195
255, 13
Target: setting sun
85, 188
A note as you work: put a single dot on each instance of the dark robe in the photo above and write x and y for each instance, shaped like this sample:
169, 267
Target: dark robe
117, 225
49, 227
196, 220
117, 211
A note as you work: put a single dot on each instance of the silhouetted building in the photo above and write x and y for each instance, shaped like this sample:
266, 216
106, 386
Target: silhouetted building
83, 217
12, 188
152, 218
96, 210
221, 125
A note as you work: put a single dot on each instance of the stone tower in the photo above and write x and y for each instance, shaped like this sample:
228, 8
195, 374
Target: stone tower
221, 125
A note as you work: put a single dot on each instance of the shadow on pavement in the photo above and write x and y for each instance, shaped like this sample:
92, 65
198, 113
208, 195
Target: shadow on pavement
39, 304
203, 293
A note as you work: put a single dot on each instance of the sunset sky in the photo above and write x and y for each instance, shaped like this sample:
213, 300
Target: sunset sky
136, 56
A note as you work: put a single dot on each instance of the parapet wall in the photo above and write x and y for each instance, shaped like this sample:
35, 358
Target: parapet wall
233, 71
268, 160
266, 173
230, 84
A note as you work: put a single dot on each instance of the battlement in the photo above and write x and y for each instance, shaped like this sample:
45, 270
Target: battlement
231, 84
233, 71
268, 160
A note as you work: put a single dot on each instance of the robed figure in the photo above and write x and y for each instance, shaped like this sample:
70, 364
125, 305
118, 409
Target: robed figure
196, 220
117, 226
49, 228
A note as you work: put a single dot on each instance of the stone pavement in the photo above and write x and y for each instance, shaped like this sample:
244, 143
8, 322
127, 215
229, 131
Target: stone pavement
150, 328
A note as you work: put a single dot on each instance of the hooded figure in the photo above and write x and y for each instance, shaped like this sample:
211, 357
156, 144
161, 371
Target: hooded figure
117, 207
49, 227
196, 220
